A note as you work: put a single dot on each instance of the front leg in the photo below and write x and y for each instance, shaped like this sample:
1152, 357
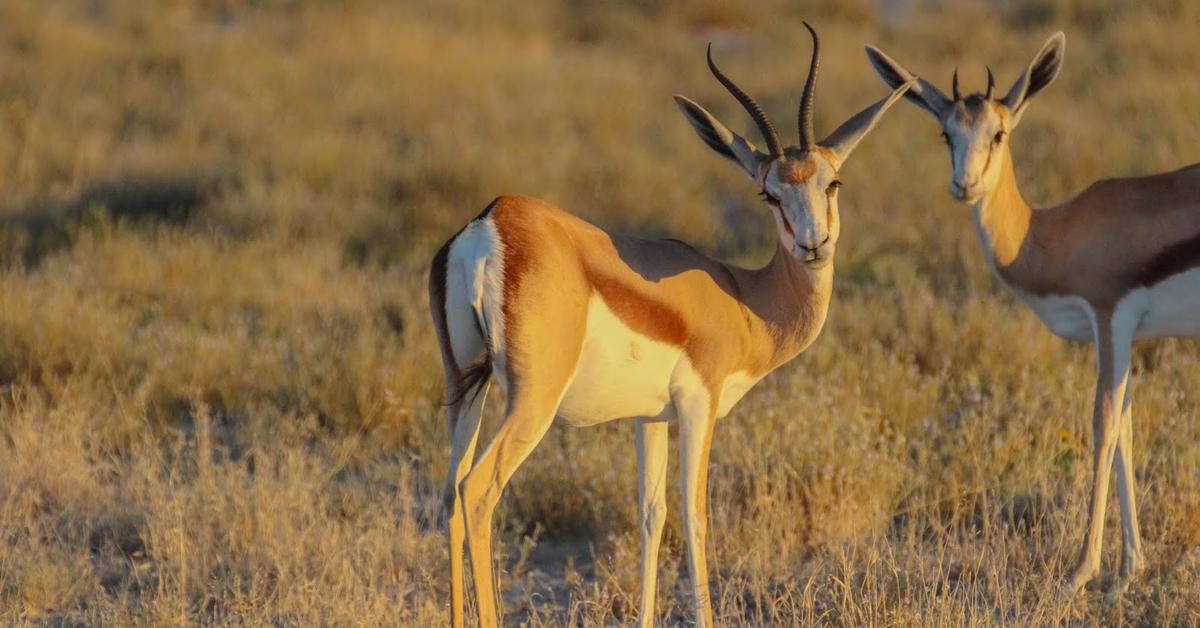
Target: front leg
1131, 541
696, 421
1114, 341
652, 506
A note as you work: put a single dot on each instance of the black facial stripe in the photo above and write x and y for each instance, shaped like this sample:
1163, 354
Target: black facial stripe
786, 225
986, 164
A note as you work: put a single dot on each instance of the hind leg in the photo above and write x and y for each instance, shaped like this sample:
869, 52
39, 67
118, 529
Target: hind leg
467, 415
462, 342
525, 423
1131, 541
1113, 347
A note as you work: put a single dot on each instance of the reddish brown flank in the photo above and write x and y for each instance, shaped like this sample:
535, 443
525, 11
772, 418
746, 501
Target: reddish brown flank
641, 312
517, 241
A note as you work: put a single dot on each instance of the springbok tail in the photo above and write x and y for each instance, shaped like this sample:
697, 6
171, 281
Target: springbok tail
466, 418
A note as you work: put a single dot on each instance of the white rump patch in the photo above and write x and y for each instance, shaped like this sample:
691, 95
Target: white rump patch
475, 294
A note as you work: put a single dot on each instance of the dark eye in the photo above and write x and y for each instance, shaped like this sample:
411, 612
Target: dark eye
999, 137
771, 200
946, 138
833, 187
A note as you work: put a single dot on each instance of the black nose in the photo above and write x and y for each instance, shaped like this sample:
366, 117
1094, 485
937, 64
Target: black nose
962, 185
813, 249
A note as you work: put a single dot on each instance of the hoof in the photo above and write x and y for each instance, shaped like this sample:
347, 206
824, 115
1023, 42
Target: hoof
1078, 579
1116, 590
1131, 565
1067, 590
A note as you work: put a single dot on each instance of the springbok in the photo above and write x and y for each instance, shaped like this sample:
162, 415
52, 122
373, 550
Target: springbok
1117, 263
575, 322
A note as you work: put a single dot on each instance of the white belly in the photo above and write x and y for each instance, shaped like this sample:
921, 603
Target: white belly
620, 374
1173, 307
1067, 317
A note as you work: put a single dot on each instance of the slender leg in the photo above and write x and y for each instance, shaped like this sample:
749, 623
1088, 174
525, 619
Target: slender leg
467, 414
696, 423
1131, 540
652, 507
525, 424
1113, 345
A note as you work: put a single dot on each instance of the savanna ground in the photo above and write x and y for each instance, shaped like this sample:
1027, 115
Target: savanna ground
219, 388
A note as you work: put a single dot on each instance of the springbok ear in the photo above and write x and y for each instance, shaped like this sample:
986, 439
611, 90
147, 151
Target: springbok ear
1041, 72
922, 92
726, 143
843, 140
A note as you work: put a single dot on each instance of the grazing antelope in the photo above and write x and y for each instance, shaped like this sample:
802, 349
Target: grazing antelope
1117, 263
575, 322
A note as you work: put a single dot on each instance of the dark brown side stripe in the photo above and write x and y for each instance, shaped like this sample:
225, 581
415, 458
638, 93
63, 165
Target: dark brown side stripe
1175, 259
641, 312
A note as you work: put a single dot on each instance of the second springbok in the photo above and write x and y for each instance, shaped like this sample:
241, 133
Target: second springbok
1117, 263
575, 322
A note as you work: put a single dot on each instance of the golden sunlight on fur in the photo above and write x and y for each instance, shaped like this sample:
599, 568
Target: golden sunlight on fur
220, 393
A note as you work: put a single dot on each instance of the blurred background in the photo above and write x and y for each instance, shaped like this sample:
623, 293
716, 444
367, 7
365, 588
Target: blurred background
219, 387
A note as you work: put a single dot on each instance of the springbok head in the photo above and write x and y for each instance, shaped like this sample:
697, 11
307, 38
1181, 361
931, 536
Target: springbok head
799, 182
976, 128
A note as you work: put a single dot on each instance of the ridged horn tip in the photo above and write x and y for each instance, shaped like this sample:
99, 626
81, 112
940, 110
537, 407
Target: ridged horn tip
756, 112
807, 139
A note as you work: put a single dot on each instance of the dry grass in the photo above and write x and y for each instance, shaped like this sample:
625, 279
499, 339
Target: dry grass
218, 384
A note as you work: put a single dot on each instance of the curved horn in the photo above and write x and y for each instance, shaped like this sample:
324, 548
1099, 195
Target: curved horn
954, 86
752, 108
991, 84
806, 100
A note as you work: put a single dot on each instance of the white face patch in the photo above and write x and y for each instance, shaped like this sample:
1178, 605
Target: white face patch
975, 136
805, 206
